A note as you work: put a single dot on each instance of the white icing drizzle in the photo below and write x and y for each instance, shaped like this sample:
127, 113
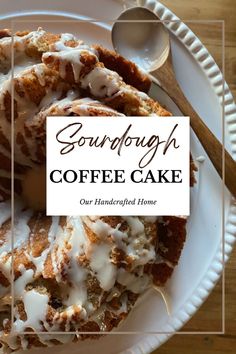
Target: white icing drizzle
70, 97
52, 234
60, 44
72, 56
135, 249
69, 246
5, 267
39, 70
136, 226
58, 249
100, 263
73, 242
35, 305
50, 98
19, 43
23, 64
133, 245
142, 95
78, 242
22, 281
136, 284
25, 110
102, 229
102, 82
20, 233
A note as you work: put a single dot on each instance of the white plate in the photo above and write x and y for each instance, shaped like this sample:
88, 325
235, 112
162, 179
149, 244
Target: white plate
201, 261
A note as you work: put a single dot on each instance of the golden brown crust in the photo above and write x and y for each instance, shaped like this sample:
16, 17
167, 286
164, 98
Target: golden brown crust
5, 33
131, 74
125, 68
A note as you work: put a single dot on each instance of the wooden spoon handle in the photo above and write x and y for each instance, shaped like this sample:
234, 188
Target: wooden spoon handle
210, 143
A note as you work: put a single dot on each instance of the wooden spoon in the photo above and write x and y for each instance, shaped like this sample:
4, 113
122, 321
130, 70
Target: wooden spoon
147, 44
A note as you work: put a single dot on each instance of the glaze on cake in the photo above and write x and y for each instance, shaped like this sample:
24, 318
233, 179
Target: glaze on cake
80, 274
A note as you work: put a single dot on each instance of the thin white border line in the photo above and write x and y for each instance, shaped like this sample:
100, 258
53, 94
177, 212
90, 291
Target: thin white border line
113, 20
12, 174
223, 176
12, 178
114, 332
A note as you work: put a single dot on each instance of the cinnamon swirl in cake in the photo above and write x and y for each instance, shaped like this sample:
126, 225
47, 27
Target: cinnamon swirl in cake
70, 274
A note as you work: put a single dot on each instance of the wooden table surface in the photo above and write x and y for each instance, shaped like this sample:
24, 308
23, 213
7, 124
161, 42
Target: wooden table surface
208, 318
